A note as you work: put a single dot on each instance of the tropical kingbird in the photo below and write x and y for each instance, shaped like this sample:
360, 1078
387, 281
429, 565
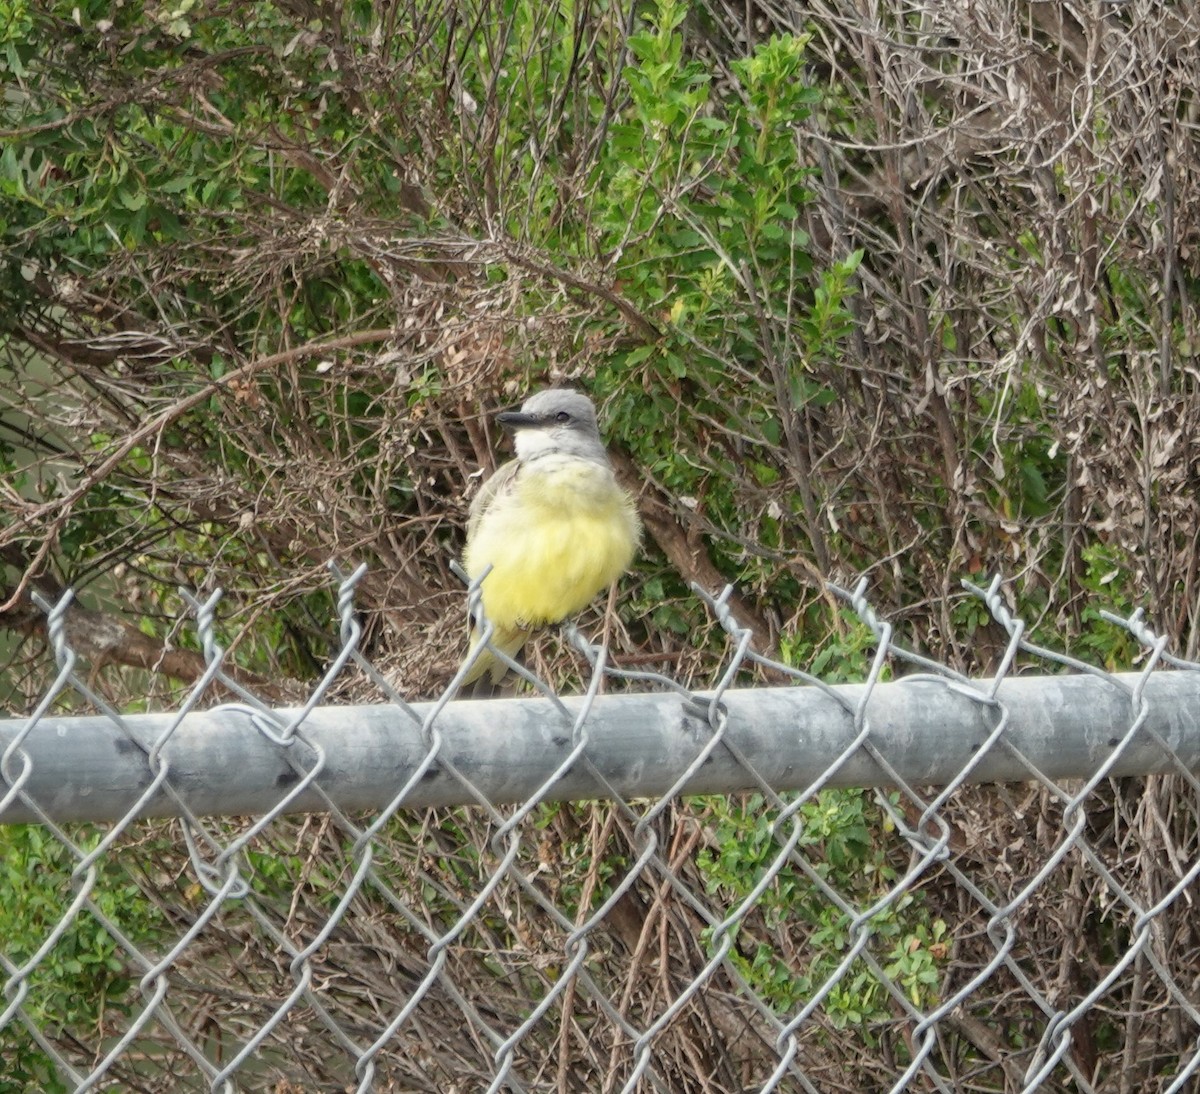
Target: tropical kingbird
553, 525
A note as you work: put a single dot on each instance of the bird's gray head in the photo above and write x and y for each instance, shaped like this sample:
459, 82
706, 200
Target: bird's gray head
555, 421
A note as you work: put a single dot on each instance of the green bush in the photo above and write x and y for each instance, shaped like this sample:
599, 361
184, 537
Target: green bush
85, 974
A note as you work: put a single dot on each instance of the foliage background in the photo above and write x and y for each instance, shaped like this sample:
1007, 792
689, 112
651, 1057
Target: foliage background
900, 289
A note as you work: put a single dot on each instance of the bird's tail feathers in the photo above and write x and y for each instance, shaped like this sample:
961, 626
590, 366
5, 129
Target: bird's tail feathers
488, 669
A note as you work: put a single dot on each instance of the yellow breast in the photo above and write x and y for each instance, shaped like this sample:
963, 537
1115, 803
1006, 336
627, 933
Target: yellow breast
565, 532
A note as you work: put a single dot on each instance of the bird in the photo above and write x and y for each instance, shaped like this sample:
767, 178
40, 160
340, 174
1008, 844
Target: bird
548, 531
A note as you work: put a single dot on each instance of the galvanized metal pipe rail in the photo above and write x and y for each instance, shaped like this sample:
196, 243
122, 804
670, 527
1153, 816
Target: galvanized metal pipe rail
228, 761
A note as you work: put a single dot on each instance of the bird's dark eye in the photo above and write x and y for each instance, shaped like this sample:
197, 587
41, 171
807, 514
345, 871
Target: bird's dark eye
562, 416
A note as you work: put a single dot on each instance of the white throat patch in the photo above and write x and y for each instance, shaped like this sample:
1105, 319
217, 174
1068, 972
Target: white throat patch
531, 443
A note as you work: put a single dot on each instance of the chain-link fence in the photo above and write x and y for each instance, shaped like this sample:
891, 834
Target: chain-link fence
919, 881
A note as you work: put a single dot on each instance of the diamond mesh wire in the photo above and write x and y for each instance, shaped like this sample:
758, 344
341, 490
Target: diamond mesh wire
1029, 935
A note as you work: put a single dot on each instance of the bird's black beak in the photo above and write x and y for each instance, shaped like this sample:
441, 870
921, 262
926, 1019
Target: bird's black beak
514, 419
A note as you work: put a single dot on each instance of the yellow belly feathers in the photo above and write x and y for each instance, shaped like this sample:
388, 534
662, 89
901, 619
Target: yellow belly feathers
564, 533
